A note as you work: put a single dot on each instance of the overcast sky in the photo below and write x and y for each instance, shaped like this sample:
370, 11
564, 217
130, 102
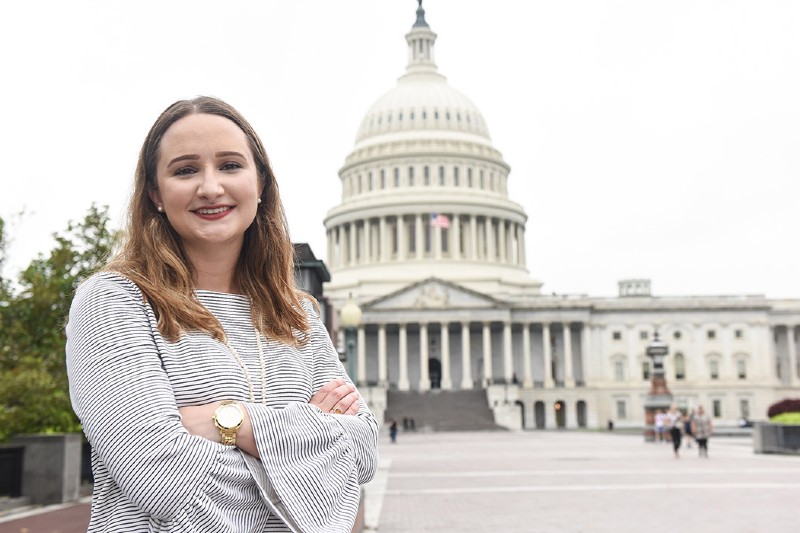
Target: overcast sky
646, 139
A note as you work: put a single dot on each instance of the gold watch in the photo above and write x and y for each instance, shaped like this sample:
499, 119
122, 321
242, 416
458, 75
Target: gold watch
228, 418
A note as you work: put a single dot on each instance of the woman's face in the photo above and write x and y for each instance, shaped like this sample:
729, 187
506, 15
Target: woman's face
207, 183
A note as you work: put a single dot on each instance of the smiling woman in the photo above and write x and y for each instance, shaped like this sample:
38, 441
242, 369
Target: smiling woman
205, 382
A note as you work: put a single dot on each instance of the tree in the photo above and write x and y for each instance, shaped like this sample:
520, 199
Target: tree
33, 378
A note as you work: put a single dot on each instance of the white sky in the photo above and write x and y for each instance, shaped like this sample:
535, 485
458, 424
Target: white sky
646, 138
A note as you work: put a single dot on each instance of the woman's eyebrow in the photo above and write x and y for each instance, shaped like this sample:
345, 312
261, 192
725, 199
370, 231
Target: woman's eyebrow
184, 158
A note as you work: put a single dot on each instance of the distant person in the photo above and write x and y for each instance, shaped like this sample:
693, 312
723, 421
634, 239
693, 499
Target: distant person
393, 431
675, 422
203, 377
687, 428
702, 427
659, 425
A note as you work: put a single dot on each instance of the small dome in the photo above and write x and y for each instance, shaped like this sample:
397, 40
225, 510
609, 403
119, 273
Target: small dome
422, 101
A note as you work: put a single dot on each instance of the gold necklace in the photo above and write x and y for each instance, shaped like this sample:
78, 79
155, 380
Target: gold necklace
247, 373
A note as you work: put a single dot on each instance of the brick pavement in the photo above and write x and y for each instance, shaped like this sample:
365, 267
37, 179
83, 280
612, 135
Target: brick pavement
553, 481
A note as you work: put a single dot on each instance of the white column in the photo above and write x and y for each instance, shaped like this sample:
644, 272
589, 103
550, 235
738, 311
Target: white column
337, 259
330, 249
424, 376
501, 240
455, 241
508, 361
487, 354
420, 237
569, 378
527, 380
383, 241
353, 259
383, 371
521, 243
447, 380
792, 345
367, 247
473, 237
361, 362
466, 362
586, 331
403, 383
547, 352
400, 231
437, 242
489, 235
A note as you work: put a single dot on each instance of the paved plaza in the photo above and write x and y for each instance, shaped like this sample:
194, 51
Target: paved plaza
579, 482
553, 481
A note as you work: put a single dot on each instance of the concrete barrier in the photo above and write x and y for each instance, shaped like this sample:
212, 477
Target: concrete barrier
776, 438
51, 467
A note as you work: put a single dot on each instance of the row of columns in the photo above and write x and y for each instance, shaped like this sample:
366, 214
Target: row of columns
466, 355
368, 241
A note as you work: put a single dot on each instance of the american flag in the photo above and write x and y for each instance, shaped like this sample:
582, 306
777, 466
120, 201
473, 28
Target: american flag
440, 221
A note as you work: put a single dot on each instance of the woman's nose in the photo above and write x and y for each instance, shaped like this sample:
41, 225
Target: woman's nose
210, 184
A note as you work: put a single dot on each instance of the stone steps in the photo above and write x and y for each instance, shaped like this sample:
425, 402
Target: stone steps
438, 410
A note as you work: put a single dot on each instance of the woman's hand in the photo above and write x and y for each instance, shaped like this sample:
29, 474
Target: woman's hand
337, 397
199, 420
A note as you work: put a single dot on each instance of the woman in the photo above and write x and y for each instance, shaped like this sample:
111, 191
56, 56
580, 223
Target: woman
675, 417
205, 382
702, 427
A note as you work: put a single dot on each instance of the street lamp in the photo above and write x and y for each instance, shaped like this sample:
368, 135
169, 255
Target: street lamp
659, 396
350, 319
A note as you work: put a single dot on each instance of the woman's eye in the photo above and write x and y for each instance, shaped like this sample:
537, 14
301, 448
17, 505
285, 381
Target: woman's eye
231, 165
184, 171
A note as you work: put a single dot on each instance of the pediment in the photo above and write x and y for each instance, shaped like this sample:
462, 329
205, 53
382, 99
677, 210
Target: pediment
433, 294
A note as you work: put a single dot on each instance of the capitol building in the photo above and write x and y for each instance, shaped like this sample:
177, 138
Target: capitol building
428, 243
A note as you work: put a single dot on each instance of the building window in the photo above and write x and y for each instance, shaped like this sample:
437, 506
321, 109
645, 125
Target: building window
469, 177
744, 408
481, 179
680, 366
645, 370
455, 176
424, 114
622, 411
411, 115
396, 177
713, 366
441, 175
741, 369
436, 115
400, 116
717, 408
427, 175
619, 371
739, 334
643, 335
677, 335
617, 335
711, 334
410, 176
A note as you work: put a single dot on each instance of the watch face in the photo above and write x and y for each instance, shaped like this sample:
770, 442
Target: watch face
229, 416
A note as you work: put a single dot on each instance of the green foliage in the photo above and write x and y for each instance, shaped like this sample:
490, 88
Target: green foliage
33, 379
786, 418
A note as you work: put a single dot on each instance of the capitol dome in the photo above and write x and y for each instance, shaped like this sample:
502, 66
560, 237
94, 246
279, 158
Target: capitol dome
424, 193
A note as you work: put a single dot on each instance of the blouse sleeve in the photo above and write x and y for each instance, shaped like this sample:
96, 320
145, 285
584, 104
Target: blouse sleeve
125, 402
316, 461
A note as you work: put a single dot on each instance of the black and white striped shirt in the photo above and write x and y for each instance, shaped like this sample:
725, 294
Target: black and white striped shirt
127, 383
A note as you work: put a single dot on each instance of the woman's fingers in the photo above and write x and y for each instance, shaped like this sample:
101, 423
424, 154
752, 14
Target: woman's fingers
337, 397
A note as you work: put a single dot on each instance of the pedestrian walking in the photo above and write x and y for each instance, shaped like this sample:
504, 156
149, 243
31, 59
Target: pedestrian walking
675, 422
702, 427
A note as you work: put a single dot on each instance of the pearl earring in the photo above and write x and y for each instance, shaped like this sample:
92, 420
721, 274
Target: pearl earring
259, 200
160, 209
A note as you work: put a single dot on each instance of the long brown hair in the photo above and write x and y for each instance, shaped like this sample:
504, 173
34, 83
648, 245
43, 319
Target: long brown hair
153, 256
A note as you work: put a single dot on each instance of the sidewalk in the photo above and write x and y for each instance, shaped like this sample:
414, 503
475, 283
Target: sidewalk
559, 481
579, 482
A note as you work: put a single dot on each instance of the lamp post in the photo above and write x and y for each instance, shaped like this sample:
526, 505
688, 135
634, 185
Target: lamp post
350, 316
659, 397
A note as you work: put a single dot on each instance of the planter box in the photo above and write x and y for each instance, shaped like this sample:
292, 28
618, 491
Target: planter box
776, 438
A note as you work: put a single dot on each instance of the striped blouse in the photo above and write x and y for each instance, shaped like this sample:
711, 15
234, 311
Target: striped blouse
127, 383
